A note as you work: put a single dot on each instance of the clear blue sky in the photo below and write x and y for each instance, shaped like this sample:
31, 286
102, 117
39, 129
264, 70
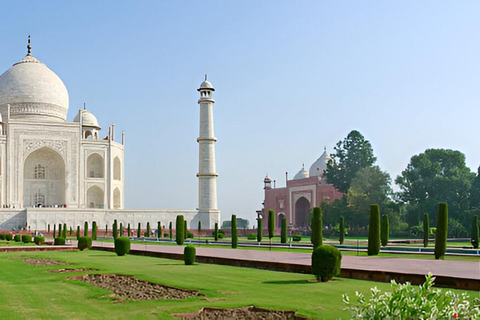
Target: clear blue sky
291, 77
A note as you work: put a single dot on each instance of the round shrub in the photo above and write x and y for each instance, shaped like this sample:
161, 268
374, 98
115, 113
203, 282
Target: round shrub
189, 235
326, 262
2, 236
297, 237
221, 235
17, 238
122, 246
252, 236
60, 241
8, 237
166, 234
189, 255
39, 240
84, 243
26, 238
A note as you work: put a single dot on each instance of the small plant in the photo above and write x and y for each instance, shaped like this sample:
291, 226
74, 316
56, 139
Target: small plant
71, 231
326, 262
406, 301
84, 243
297, 237
17, 238
189, 255
122, 246
374, 231
252, 236
59, 241
26, 238
221, 235
39, 240
166, 234
8, 237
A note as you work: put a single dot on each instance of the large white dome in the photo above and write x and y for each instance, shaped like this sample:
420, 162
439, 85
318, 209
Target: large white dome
34, 92
318, 167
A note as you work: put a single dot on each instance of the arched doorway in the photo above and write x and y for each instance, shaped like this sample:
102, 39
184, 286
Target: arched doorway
95, 197
95, 166
117, 169
116, 199
301, 212
44, 179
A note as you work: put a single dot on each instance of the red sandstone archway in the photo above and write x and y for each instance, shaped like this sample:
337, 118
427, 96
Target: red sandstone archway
301, 212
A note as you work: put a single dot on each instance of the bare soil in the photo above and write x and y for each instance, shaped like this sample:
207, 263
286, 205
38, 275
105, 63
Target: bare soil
71, 270
135, 289
245, 313
42, 262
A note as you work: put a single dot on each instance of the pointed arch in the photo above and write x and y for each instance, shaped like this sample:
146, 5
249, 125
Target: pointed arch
301, 212
95, 197
117, 200
117, 169
95, 166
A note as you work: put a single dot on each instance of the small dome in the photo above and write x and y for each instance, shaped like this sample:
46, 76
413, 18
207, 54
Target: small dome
33, 91
267, 180
318, 167
206, 85
302, 174
88, 119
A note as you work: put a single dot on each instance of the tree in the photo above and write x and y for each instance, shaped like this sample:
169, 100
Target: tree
374, 231
351, 155
385, 230
85, 229
94, 230
199, 231
426, 229
317, 238
59, 230
370, 185
64, 232
259, 229
139, 230
170, 230
78, 232
54, 232
114, 229
148, 230
185, 229
242, 223
437, 175
283, 234
234, 231
215, 232
474, 236
271, 226
442, 231
342, 230
121, 229
129, 231
159, 229
179, 231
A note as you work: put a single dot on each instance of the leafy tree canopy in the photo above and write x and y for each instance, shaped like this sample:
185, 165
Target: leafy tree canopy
351, 155
437, 175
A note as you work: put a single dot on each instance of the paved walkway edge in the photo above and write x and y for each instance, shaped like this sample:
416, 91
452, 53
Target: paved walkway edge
379, 276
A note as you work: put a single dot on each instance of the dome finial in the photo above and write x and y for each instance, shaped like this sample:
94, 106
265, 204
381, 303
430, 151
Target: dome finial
325, 149
84, 106
29, 47
205, 77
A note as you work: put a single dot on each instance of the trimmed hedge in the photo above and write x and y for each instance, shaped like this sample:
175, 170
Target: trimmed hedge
179, 225
147, 234
326, 262
385, 230
426, 229
39, 240
2, 236
159, 229
64, 232
85, 229
374, 231
129, 231
259, 229
215, 232
189, 235
170, 230
199, 229
189, 255
234, 231
115, 229
317, 237
122, 246
78, 232
139, 230
252, 236
8, 237
342, 230
271, 224
442, 231
283, 234
84, 243
297, 237
60, 230
120, 231
26, 238
59, 241
94, 230
17, 238
474, 237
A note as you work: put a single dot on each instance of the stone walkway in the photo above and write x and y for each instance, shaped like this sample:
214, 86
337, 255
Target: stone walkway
445, 268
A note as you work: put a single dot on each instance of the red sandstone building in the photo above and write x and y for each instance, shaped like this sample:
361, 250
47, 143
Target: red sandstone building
305, 191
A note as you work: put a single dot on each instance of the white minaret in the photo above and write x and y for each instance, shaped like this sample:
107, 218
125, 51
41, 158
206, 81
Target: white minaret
208, 211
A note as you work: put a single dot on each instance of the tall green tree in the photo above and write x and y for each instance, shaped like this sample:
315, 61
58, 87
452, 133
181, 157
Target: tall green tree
317, 238
114, 229
170, 230
385, 230
215, 232
199, 231
283, 234
434, 176
234, 231
64, 231
59, 230
374, 231
129, 231
259, 229
85, 229
148, 230
159, 230
442, 231
426, 229
139, 230
342, 230
94, 230
271, 226
351, 155
121, 229
179, 230
474, 235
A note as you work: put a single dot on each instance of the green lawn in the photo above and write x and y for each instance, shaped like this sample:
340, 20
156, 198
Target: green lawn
30, 292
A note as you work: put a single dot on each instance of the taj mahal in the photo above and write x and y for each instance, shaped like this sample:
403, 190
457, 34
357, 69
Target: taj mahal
57, 171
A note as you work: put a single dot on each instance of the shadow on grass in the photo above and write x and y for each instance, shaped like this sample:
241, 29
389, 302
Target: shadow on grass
306, 281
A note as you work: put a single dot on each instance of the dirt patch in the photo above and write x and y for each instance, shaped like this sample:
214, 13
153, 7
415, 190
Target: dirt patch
246, 313
135, 289
43, 262
71, 270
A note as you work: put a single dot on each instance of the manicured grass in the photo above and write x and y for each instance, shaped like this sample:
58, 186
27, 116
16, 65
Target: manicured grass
31, 292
